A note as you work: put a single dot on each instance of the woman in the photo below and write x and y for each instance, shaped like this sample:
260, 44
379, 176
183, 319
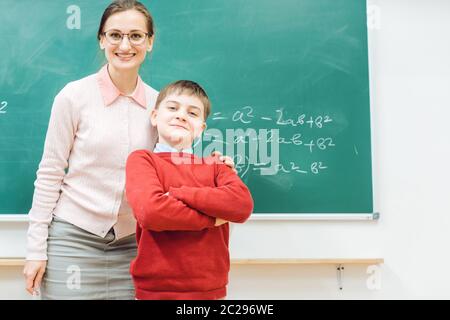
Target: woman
80, 237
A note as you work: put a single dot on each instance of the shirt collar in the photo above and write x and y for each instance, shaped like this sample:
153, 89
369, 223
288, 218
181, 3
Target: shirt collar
161, 147
110, 92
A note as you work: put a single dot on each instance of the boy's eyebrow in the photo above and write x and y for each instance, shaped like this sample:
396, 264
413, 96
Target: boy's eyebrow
191, 106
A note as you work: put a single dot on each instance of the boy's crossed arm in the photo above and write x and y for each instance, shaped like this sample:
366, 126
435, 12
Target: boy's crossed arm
230, 200
153, 209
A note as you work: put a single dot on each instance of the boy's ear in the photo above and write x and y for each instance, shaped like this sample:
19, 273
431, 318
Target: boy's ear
153, 117
201, 130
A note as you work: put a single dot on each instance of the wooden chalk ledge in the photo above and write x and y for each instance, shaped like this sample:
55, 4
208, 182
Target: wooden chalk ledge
307, 261
12, 262
16, 262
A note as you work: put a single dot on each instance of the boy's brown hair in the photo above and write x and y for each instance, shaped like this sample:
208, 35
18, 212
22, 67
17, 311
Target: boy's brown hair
189, 88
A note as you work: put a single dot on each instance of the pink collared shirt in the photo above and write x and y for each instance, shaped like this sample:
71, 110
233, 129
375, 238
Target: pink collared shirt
93, 128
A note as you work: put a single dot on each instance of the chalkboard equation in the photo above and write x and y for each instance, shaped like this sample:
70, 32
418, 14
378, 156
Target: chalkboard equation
245, 115
305, 135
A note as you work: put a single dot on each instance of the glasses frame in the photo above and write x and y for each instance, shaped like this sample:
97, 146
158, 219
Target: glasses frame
123, 35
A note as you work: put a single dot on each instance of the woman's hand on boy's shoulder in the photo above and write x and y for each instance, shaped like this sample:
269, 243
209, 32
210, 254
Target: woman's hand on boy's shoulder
220, 222
225, 160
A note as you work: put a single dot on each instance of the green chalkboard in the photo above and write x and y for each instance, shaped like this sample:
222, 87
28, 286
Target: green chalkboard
291, 71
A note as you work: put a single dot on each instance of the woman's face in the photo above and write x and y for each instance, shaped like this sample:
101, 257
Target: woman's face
125, 55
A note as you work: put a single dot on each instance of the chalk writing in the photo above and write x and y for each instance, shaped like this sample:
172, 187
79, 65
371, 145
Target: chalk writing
305, 125
3, 106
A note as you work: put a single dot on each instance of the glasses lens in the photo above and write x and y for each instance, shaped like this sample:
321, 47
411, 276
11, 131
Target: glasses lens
114, 37
137, 37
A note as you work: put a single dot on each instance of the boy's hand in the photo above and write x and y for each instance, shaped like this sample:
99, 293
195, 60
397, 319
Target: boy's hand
226, 160
220, 222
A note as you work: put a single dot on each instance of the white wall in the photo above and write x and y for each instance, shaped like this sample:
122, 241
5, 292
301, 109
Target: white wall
409, 50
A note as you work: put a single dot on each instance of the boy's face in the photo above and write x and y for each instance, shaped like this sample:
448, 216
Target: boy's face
179, 120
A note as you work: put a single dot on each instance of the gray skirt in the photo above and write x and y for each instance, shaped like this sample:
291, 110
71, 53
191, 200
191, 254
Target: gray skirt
82, 265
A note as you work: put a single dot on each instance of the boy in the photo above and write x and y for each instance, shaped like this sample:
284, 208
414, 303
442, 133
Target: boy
182, 204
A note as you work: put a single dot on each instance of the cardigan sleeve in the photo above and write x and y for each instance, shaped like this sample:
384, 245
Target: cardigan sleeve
59, 140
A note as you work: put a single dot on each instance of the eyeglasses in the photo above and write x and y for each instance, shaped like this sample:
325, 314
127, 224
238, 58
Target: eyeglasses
115, 37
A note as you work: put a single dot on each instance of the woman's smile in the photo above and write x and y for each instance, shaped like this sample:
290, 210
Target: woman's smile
125, 56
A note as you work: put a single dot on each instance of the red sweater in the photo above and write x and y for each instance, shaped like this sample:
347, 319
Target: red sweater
181, 254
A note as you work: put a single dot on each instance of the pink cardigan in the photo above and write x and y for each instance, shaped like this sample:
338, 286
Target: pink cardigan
81, 177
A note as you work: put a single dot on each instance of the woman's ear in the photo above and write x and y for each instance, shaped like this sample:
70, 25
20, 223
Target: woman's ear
101, 44
150, 43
